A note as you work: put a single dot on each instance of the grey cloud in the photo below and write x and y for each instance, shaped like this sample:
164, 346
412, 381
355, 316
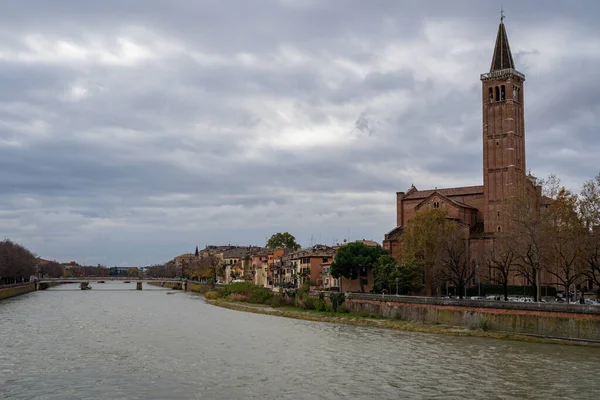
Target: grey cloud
146, 160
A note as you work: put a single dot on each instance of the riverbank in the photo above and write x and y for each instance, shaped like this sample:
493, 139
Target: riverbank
12, 291
383, 323
8, 292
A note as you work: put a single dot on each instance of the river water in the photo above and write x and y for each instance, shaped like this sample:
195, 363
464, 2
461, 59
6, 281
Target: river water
114, 342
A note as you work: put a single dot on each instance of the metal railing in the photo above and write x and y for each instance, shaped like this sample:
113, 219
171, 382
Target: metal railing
501, 74
496, 304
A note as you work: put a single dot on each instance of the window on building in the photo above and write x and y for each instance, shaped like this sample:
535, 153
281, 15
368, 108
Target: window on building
502, 93
499, 229
491, 95
497, 93
325, 259
498, 213
436, 204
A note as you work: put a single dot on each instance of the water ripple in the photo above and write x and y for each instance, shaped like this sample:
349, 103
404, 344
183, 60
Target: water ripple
118, 343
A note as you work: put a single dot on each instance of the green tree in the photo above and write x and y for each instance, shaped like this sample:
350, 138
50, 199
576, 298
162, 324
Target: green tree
409, 277
354, 260
384, 272
394, 277
283, 240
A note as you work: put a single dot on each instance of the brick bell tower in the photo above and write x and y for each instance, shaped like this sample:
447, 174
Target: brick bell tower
503, 132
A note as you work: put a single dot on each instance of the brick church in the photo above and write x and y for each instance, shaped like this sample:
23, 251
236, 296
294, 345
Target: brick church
478, 209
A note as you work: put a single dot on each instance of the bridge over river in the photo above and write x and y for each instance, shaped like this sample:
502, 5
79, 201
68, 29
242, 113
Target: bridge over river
43, 283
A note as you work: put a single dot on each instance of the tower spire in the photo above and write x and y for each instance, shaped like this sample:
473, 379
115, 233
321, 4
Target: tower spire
502, 58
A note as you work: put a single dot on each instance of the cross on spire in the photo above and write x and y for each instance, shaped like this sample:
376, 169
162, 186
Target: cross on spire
502, 14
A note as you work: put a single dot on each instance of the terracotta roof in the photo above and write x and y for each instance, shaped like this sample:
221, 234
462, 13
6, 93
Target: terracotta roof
460, 191
502, 58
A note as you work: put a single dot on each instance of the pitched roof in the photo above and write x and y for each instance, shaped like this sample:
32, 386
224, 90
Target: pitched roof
446, 198
502, 58
460, 191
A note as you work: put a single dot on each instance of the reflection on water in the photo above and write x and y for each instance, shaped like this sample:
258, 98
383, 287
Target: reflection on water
114, 342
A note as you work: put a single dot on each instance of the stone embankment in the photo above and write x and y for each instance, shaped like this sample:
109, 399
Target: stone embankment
575, 322
560, 321
17, 290
170, 285
190, 286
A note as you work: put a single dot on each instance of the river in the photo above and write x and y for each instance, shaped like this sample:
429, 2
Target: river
114, 342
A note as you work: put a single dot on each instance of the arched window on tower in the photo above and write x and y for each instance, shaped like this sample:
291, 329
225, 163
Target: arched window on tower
491, 95
497, 93
499, 229
503, 93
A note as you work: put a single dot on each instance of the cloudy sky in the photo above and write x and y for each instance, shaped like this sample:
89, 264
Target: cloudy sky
133, 130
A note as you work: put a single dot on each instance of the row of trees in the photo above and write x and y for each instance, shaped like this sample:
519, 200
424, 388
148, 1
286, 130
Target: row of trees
558, 238
17, 263
354, 261
78, 271
203, 267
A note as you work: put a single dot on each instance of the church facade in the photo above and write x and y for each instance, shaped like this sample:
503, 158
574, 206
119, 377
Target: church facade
479, 209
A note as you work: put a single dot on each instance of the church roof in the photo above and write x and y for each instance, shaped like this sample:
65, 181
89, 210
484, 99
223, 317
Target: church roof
460, 191
502, 58
446, 198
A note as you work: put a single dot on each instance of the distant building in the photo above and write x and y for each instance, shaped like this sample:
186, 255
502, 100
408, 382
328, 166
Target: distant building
118, 271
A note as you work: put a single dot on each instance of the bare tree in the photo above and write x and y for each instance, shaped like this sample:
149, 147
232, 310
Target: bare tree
504, 260
567, 238
17, 263
421, 245
589, 209
528, 228
454, 258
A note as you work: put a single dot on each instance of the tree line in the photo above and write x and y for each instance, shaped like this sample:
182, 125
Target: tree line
17, 263
201, 267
